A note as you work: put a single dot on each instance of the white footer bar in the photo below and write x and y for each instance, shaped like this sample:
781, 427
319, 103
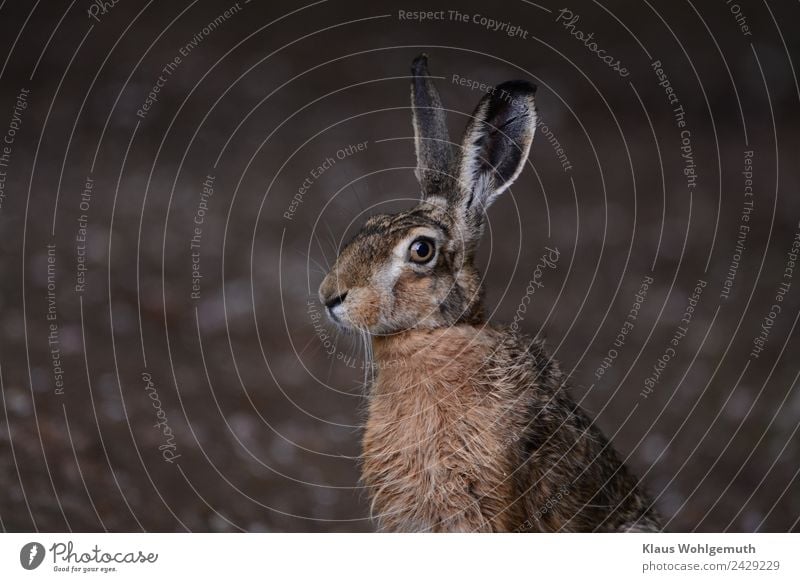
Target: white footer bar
349, 557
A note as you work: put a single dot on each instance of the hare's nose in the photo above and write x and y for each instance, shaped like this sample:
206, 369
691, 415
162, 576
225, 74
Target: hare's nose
334, 301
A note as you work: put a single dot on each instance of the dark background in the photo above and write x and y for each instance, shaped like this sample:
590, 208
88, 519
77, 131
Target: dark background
266, 421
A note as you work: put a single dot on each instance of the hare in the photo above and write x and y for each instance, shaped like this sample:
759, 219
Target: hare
469, 428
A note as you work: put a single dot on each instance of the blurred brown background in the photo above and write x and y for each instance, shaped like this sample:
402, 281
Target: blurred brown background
238, 408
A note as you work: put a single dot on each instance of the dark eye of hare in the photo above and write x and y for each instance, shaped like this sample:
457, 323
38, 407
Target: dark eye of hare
421, 250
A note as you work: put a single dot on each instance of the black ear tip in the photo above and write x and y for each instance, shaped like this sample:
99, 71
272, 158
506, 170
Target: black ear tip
517, 87
420, 65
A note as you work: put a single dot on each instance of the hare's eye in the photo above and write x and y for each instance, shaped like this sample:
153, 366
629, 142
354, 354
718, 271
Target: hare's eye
421, 251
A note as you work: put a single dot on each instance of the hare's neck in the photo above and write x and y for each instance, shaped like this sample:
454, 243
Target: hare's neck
431, 350
436, 453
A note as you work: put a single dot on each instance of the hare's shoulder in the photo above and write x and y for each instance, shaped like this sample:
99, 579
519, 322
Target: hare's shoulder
525, 362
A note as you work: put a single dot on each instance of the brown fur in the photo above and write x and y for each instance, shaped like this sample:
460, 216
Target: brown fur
431, 458
470, 426
470, 430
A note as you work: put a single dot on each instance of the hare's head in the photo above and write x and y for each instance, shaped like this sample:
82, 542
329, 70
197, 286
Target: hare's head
416, 269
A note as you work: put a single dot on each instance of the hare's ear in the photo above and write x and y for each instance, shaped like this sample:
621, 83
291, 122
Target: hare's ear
434, 150
494, 149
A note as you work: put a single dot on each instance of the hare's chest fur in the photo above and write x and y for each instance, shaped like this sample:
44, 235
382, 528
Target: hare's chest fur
437, 441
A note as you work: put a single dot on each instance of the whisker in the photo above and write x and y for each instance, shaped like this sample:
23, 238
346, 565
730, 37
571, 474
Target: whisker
334, 244
367, 360
301, 352
322, 250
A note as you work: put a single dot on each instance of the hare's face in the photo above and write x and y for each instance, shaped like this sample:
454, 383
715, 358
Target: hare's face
402, 271
415, 269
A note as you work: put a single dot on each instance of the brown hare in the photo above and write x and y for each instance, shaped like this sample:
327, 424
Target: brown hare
470, 428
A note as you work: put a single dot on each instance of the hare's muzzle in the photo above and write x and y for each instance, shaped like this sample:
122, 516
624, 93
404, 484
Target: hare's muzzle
332, 293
